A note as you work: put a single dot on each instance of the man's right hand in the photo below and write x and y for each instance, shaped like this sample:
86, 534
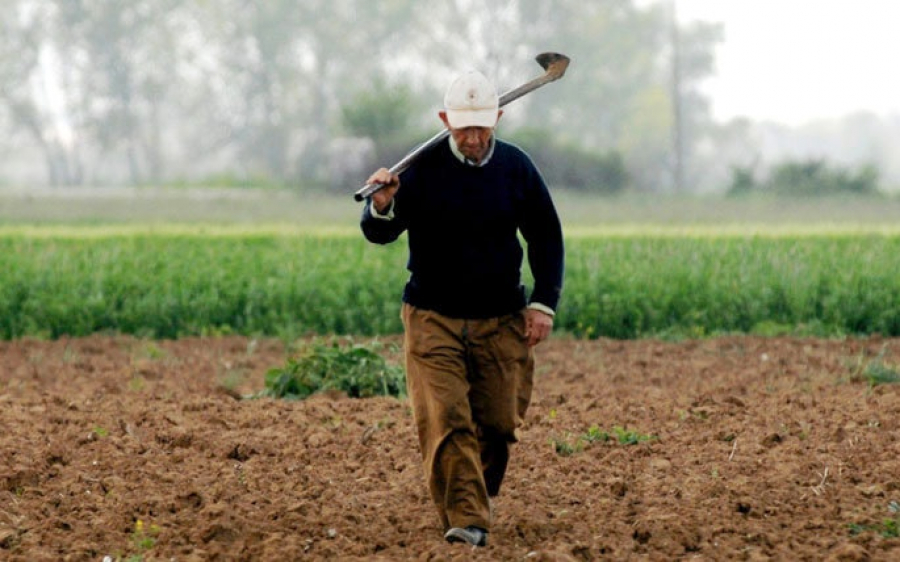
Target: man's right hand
381, 199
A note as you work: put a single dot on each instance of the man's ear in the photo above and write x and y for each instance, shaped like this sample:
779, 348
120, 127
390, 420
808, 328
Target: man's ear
443, 115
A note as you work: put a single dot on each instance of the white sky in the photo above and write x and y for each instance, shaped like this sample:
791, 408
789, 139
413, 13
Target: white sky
796, 60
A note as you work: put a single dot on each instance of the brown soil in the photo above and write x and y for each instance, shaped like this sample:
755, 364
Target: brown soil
762, 448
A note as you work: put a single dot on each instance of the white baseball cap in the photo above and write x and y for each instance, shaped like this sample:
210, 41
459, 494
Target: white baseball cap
471, 101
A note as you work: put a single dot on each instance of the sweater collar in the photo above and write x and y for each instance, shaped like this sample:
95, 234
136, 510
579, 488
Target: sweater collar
454, 148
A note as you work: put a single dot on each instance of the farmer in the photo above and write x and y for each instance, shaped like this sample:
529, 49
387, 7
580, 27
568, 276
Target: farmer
469, 328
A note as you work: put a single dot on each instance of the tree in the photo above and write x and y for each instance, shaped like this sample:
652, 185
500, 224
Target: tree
150, 90
115, 60
616, 96
694, 63
283, 70
25, 94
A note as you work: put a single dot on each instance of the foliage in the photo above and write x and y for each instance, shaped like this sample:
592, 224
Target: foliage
807, 178
640, 286
631, 437
143, 537
356, 369
164, 89
287, 285
387, 115
571, 166
622, 436
889, 527
568, 446
565, 447
743, 180
875, 371
878, 373
380, 111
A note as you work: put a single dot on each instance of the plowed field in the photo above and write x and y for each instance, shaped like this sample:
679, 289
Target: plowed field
746, 448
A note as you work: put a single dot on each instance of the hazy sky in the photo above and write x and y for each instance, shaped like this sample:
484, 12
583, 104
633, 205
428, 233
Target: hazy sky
797, 60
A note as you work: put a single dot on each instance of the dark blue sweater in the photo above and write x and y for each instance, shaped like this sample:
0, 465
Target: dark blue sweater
463, 223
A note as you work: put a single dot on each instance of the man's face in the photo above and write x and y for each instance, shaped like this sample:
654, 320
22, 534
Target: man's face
473, 142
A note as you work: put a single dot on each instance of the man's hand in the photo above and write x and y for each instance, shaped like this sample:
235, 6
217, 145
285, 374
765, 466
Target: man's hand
537, 326
381, 199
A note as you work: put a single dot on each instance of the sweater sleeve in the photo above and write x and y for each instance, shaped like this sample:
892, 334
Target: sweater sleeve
542, 231
382, 229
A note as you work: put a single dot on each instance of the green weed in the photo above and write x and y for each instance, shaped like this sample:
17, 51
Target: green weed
150, 350
595, 434
626, 437
875, 371
230, 379
889, 527
568, 445
356, 369
143, 537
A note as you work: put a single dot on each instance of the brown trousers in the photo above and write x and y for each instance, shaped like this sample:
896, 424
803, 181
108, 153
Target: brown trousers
469, 382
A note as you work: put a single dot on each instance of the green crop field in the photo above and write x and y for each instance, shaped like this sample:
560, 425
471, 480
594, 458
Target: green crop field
623, 281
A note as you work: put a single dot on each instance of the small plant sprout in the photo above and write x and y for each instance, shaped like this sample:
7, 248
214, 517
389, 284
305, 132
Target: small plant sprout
150, 350
144, 536
875, 371
137, 383
626, 437
594, 434
565, 447
889, 527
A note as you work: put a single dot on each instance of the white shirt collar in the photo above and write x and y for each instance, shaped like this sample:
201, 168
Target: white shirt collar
454, 148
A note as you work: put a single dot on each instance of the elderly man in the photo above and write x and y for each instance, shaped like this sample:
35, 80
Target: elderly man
470, 325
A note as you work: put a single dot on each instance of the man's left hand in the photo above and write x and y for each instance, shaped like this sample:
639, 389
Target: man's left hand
538, 326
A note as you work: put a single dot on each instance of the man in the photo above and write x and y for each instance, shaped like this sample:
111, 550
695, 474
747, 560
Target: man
469, 329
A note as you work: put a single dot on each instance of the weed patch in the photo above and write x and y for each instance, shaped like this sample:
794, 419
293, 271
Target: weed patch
889, 527
875, 371
359, 370
570, 445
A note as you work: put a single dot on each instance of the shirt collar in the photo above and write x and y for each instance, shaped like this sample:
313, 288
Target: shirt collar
454, 148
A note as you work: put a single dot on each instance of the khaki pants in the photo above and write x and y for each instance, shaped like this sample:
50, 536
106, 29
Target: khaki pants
470, 384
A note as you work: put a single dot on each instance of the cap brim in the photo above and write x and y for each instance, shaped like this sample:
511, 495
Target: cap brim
462, 118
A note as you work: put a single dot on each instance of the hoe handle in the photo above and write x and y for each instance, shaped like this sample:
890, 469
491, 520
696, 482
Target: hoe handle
370, 188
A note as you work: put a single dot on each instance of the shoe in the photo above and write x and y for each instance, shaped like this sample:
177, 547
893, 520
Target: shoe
476, 536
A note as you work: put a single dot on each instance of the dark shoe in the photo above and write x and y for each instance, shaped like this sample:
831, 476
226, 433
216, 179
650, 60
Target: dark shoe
476, 536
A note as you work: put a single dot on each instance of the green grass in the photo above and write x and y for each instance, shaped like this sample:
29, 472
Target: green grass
171, 281
174, 285
637, 286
